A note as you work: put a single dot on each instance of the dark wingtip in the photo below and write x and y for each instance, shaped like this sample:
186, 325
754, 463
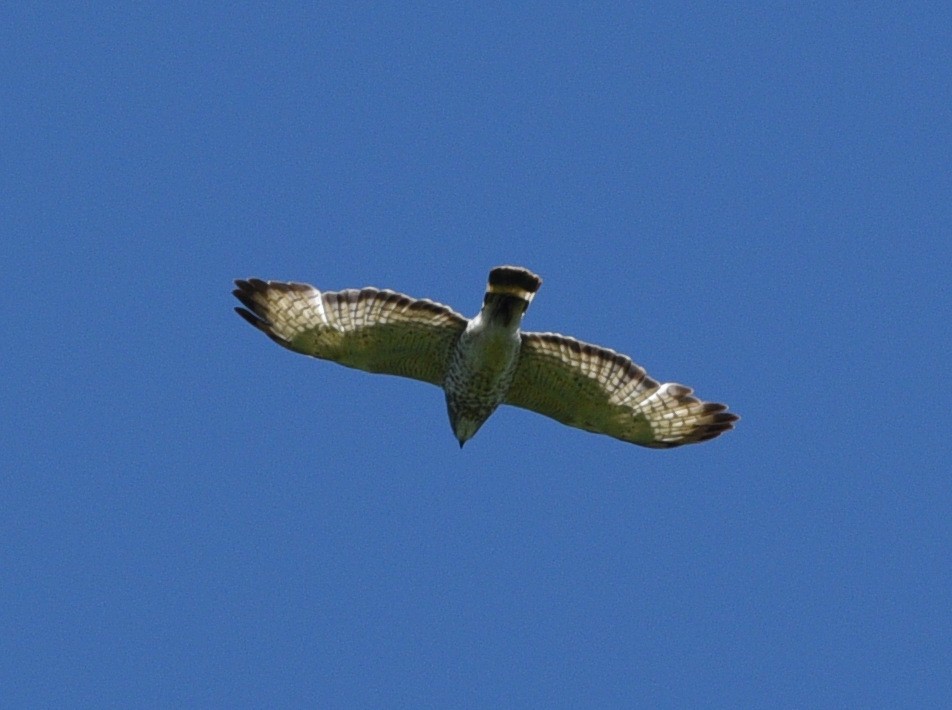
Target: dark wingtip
248, 316
246, 299
724, 417
253, 312
721, 422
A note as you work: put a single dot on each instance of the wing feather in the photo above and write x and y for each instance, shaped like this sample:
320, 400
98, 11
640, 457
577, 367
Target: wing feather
367, 329
602, 391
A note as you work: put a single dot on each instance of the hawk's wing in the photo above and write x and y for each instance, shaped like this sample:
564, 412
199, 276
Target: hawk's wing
602, 391
369, 329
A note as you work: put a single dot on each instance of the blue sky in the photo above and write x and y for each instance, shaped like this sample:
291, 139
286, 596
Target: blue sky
755, 201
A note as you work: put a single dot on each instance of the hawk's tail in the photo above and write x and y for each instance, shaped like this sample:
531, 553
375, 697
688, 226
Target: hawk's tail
513, 281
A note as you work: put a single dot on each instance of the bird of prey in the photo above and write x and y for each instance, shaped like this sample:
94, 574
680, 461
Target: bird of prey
485, 361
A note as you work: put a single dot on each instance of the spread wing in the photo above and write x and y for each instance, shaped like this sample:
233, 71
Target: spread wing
602, 391
368, 329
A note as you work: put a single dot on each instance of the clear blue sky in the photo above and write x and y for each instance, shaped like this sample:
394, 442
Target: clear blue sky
754, 201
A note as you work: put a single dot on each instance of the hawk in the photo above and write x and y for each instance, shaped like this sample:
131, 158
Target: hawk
483, 362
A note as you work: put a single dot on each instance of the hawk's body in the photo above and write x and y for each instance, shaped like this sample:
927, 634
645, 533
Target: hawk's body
483, 362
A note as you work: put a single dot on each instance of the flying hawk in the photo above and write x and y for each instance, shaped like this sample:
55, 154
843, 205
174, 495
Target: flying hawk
483, 362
